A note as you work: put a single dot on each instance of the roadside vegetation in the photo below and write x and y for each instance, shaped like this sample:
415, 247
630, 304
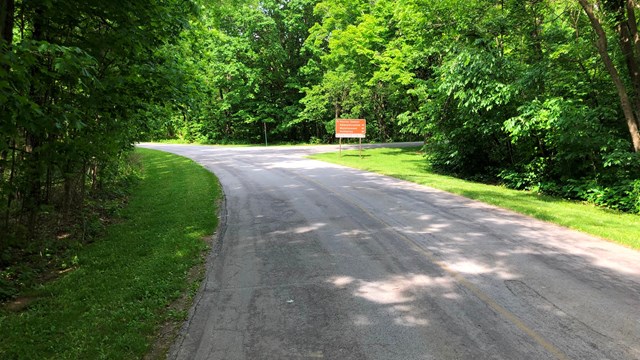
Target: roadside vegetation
409, 164
110, 303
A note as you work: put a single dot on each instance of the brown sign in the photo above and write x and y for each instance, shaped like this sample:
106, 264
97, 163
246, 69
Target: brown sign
351, 128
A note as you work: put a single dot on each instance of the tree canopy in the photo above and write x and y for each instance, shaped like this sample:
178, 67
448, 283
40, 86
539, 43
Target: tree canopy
534, 94
78, 81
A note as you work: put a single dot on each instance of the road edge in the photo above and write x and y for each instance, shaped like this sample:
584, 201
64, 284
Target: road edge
203, 270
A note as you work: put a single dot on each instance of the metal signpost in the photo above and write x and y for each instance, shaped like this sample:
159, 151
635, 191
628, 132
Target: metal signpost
351, 128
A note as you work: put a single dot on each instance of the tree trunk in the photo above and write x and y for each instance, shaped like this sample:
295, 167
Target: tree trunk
83, 189
7, 10
11, 192
625, 101
628, 31
33, 194
631, 14
35, 139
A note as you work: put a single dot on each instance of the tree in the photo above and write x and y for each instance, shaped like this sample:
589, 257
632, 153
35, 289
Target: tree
7, 9
74, 81
630, 44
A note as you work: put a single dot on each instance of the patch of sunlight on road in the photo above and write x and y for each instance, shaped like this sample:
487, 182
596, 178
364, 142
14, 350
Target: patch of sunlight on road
394, 290
410, 320
354, 232
399, 293
362, 320
470, 267
300, 229
298, 164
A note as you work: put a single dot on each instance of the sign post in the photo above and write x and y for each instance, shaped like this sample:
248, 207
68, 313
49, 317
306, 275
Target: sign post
351, 128
265, 133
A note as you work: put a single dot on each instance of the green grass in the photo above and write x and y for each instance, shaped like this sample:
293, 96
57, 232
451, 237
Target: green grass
112, 304
409, 164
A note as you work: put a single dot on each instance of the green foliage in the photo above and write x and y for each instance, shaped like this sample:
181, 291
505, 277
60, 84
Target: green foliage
502, 91
117, 290
515, 92
76, 82
290, 65
242, 61
60, 235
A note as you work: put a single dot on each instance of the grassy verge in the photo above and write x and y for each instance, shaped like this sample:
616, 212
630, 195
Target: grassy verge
112, 303
409, 164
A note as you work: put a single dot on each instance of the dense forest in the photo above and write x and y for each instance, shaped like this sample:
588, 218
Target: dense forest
533, 94
77, 79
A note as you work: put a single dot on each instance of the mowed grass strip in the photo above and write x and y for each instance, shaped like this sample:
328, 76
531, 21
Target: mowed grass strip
409, 164
112, 304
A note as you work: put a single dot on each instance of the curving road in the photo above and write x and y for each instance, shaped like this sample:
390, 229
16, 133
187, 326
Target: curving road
318, 261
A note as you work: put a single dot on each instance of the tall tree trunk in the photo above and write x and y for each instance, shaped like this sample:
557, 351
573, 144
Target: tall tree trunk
7, 10
83, 190
34, 139
628, 32
625, 101
631, 14
33, 192
536, 39
11, 192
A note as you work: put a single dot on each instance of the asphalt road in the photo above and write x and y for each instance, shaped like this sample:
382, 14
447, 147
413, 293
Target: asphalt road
318, 261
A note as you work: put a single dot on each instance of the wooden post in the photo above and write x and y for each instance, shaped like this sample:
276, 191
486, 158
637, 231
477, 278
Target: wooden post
360, 147
265, 133
340, 142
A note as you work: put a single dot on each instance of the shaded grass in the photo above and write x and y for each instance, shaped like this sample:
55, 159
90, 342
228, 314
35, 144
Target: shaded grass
409, 164
111, 305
